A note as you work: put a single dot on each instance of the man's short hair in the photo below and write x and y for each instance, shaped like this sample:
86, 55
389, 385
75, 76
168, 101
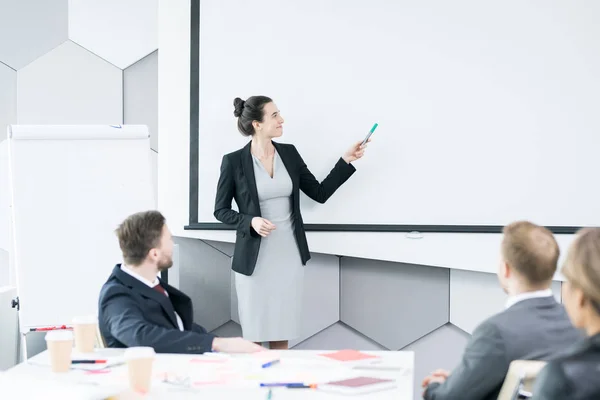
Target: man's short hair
138, 234
531, 250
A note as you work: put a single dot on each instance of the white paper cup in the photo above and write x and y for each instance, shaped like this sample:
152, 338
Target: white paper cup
139, 365
85, 328
60, 347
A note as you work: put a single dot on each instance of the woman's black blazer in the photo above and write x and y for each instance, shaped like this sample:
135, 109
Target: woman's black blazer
237, 182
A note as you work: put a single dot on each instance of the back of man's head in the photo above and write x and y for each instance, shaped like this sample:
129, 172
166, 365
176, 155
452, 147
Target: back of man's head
138, 234
531, 251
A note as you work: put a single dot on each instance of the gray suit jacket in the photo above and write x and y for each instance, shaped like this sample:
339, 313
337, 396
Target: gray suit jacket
532, 329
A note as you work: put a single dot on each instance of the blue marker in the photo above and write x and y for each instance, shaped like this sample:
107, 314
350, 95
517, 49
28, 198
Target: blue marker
270, 363
369, 134
281, 384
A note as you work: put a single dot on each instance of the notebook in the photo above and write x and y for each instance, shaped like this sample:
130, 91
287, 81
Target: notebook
359, 385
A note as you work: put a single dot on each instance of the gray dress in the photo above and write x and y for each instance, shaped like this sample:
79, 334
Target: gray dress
270, 300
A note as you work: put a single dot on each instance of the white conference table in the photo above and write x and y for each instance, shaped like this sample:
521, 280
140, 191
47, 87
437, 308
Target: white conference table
213, 376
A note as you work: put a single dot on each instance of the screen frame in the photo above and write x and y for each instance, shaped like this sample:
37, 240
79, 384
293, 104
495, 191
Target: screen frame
194, 190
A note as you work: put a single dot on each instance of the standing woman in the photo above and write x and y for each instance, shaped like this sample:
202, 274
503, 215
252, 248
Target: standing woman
265, 179
576, 375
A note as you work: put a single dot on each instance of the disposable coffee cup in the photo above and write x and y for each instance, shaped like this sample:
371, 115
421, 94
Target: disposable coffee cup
85, 328
139, 365
60, 347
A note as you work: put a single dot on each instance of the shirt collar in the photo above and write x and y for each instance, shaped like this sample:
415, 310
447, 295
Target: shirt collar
130, 271
512, 300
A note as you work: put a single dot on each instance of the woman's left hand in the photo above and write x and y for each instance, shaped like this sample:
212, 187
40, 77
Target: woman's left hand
355, 152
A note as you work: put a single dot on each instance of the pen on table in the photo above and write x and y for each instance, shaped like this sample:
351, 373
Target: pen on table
270, 363
301, 386
290, 385
88, 362
280, 384
270, 395
50, 328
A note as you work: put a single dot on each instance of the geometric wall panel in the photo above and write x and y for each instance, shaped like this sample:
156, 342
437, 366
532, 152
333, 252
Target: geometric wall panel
120, 31
8, 98
30, 28
339, 336
441, 349
140, 96
229, 329
321, 303
393, 303
204, 276
476, 296
224, 247
69, 85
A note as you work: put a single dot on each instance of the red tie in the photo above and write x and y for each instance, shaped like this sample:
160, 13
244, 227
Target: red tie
160, 289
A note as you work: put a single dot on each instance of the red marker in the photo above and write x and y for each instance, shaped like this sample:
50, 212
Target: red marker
50, 328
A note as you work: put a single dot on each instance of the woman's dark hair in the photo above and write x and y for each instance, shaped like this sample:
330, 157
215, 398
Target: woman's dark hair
249, 111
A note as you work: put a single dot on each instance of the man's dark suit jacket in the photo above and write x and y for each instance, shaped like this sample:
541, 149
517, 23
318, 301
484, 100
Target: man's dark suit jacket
237, 182
575, 376
532, 329
130, 313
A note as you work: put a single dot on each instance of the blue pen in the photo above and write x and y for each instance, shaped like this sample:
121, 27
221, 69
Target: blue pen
281, 384
270, 363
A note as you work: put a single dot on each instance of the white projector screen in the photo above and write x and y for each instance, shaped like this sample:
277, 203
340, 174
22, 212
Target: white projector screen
487, 111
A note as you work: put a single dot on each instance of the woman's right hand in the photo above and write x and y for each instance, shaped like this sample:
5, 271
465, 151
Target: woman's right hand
262, 226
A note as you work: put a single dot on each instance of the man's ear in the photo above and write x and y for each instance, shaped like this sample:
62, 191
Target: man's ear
153, 254
506, 270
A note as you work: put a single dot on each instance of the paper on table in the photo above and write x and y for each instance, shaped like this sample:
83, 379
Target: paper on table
348, 355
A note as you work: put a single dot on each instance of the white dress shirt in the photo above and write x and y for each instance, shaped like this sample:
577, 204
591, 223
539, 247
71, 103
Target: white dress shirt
512, 300
146, 282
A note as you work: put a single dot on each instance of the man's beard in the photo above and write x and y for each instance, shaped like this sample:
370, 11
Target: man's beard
165, 264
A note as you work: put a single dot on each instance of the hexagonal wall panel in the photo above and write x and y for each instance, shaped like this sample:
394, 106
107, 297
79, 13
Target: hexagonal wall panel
476, 296
70, 85
31, 28
440, 349
393, 303
321, 303
8, 98
140, 95
339, 336
204, 276
230, 329
225, 247
120, 31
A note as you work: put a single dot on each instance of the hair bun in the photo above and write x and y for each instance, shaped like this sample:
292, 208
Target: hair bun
239, 107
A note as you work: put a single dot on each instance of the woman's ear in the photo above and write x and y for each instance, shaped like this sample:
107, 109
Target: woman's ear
256, 125
583, 300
